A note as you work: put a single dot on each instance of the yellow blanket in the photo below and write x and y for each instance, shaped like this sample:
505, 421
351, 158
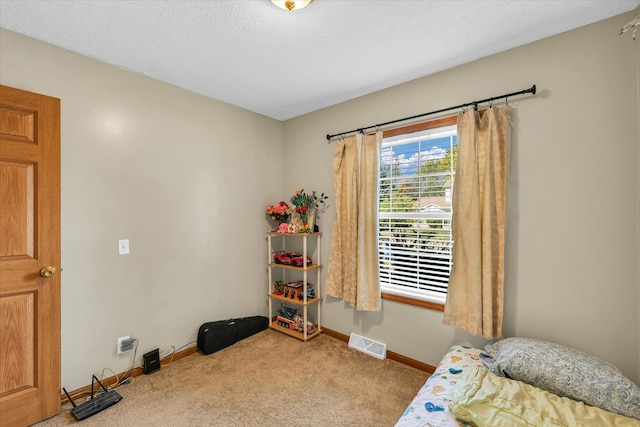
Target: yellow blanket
485, 399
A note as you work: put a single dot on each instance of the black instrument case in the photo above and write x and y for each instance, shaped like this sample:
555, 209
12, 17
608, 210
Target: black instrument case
214, 336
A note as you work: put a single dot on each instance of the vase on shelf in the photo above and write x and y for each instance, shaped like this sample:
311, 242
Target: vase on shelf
308, 217
311, 219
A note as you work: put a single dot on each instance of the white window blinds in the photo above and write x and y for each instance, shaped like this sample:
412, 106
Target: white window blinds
417, 174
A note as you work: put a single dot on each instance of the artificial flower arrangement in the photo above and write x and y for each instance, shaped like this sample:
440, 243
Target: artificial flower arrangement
280, 212
302, 204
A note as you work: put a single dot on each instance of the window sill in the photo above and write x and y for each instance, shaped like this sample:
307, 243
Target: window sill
412, 301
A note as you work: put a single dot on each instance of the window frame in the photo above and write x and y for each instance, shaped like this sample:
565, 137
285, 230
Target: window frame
417, 127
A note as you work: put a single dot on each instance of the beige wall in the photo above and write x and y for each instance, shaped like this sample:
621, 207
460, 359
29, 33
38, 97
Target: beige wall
184, 177
572, 233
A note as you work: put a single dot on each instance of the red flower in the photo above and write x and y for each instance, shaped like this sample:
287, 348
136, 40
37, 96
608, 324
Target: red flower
304, 208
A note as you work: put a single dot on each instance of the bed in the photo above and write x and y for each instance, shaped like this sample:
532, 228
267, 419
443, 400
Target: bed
523, 382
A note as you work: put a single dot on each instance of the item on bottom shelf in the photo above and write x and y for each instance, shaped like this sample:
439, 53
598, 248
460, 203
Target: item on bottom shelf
287, 312
289, 318
286, 323
299, 322
286, 316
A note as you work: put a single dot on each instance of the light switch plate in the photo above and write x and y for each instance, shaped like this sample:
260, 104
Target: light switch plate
123, 247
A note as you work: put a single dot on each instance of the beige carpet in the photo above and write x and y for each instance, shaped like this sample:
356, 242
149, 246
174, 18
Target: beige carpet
268, 379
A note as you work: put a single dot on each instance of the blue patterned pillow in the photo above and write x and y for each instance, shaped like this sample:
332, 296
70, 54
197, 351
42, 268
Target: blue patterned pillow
564, 371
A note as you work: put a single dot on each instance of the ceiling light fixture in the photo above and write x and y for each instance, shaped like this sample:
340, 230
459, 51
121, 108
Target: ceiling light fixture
291, 4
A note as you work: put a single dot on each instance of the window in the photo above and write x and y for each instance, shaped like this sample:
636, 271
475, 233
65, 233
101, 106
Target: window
417, 174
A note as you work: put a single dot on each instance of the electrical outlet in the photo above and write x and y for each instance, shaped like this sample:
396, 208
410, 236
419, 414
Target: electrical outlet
122, 344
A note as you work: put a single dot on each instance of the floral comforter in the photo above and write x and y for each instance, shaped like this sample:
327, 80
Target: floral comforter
430, 407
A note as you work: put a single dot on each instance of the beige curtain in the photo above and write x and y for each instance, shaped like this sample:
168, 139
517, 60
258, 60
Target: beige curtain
352, 273
475, 295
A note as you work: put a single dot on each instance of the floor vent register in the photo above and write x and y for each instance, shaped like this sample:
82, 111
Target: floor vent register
368, 346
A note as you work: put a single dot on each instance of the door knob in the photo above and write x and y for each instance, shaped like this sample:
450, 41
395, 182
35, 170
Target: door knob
48, 271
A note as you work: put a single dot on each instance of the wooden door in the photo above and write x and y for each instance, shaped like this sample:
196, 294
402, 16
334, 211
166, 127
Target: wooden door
29, 243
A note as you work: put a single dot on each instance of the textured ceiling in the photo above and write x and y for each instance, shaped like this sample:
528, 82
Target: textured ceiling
284, 64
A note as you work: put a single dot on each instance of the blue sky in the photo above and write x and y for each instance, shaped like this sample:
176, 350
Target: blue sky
413, 150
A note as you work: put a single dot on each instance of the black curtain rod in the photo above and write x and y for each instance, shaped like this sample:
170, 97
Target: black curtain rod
531, 90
